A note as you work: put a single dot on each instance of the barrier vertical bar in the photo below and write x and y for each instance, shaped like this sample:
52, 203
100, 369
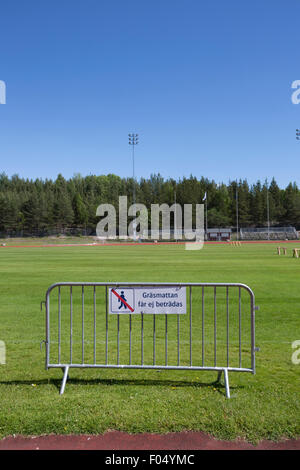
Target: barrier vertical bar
166, 341
71, 324
130, 339
106, 328
118, 341
240, 330
178, 340
142, 339
82, 319
227, 314
215, 326
59, 325
154, 340
252, 333
191, 357
47, 329
95, 335
203, 338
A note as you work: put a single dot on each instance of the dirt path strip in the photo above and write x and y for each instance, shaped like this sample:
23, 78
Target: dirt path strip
116, 440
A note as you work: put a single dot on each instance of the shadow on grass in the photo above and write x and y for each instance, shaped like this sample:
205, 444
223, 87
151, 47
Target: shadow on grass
139, 382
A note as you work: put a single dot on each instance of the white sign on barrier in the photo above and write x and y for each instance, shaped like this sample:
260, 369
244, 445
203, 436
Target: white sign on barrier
155, 300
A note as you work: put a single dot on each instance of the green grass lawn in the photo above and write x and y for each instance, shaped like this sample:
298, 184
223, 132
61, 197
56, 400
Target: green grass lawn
264, 405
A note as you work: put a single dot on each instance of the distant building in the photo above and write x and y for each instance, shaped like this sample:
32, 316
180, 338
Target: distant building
218, 234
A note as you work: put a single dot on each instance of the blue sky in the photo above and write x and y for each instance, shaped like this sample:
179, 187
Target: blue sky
206, 85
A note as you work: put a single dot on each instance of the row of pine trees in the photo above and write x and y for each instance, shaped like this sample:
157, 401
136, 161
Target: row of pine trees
42, 207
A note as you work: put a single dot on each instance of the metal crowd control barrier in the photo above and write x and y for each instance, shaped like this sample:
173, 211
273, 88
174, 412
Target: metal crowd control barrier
214, 329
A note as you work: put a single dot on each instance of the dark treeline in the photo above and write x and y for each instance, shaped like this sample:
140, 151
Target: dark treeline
42, 207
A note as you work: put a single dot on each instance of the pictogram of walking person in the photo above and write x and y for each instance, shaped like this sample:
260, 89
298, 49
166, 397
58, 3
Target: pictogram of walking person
122, 297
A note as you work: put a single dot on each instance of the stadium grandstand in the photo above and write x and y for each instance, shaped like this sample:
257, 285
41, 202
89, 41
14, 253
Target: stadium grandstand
269, 233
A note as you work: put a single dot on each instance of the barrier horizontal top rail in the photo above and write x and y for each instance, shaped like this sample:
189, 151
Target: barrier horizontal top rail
149, 284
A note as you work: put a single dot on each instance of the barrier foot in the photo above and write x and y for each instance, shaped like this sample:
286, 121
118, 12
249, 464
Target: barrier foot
226, 383
63, 371
64, 380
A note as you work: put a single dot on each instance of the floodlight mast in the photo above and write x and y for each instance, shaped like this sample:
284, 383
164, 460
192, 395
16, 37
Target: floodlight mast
133, 140
298, 134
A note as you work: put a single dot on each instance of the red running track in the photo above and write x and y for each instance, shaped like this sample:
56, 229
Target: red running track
115, 440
